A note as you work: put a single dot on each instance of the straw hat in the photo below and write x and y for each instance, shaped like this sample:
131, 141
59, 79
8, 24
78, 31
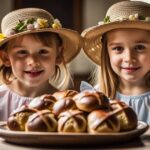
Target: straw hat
125, 14
33, 20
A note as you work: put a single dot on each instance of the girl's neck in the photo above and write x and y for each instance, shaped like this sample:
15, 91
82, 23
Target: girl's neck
128, 88
32, 92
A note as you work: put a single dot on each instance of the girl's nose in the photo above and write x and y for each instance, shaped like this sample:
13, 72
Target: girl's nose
129, 56
32, 61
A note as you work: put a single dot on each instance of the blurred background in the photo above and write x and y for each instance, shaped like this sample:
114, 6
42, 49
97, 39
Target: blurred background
74, 14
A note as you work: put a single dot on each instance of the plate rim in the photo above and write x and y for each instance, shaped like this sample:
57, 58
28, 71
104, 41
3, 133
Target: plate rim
142, 129
69, 139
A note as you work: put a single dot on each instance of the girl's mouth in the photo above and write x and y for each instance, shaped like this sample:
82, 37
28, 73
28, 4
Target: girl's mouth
130, 69
33, 73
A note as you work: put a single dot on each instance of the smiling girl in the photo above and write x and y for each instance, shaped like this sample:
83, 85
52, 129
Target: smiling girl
120, 45
34, 52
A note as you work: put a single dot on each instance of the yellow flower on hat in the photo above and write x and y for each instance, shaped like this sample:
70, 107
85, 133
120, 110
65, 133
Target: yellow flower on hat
2, 36
134, 17
56, 24
131, 17
43, 23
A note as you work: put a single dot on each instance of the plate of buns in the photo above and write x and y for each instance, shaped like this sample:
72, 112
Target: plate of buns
72, 118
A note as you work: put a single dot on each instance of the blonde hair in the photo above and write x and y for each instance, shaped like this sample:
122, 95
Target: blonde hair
61, 71
107, 77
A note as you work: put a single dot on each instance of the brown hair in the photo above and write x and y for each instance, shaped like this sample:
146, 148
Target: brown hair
61, 69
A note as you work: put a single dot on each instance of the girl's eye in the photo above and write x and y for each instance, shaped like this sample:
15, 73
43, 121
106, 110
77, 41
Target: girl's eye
22, 53
44, 52
139, 47
117, 49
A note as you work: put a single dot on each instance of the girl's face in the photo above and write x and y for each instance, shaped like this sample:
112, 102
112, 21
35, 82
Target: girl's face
129, 52
31, 61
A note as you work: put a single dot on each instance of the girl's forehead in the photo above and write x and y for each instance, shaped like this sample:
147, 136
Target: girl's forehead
128, 30
47, 39
128, 33
20, 39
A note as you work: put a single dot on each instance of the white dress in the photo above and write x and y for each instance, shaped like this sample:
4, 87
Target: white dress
139, 103
9, 101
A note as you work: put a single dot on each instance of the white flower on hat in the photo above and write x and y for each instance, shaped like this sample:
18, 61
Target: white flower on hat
30, 27
100, 23
10, 32
136, 16
36, 25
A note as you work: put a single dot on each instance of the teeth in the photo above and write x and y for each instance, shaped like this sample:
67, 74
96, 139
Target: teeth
129, 67
34, 71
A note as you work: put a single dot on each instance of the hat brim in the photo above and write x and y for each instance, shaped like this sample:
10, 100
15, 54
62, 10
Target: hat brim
72, 41
92, 36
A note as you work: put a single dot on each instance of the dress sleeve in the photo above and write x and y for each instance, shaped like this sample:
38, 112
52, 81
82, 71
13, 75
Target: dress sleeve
86, 86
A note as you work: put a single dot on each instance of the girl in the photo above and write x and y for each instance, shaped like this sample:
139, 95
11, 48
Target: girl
120, 45
34, 52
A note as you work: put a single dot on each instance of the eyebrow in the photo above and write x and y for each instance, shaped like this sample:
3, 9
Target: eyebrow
114, 43
16, 46
142, 41
138, 41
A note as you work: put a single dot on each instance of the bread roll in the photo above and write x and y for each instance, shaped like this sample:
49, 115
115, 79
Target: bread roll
43, 102
72, 121
42, 121
66, 93
19, 117
91, 100
64, 104
125, 114
100, 121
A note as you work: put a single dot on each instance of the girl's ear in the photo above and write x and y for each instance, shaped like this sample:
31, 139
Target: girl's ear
59, 57
5, 58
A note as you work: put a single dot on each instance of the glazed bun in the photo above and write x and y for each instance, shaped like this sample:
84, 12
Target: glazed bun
102, 121
66, 93
64, 104
19, 117
125, 114
72, 121
43, 102
91, 100
42, 121
70, 111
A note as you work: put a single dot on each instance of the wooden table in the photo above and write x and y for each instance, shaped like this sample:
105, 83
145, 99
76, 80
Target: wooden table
142, 143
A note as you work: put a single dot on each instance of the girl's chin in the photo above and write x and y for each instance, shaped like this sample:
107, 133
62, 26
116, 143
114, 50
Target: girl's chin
33, 84
131, 79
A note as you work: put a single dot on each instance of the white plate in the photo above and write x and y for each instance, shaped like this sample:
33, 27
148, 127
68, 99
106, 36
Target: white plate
54, 138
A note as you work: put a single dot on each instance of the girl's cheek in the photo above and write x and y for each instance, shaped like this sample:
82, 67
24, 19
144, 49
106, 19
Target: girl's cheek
113, 59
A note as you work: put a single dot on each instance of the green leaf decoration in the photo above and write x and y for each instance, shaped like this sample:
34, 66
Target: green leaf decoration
107, 19
141, 18
20, 24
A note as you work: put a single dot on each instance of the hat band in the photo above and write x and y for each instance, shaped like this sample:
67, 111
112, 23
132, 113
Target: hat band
134, 17
31, 24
